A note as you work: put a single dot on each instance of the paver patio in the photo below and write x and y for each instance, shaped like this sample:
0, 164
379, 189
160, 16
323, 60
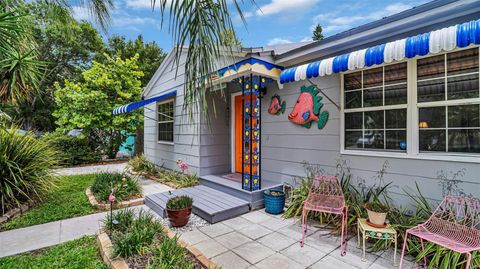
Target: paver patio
260, 240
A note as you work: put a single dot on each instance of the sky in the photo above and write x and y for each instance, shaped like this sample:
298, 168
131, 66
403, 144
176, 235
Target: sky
269, 22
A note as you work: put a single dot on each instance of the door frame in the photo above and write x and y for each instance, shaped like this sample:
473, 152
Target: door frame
232, 130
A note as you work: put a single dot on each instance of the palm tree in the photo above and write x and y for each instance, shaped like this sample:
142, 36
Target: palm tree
20, 69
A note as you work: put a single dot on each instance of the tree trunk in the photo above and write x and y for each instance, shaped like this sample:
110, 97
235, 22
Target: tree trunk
115, 140
138, 146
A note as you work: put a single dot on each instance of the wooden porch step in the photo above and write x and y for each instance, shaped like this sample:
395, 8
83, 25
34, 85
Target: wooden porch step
210, 204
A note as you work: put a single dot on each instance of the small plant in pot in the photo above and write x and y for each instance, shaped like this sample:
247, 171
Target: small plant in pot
179, 209
274, 201
377, 213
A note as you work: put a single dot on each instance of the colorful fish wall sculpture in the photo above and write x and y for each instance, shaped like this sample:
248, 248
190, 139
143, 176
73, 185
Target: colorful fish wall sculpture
277, 107
307, 109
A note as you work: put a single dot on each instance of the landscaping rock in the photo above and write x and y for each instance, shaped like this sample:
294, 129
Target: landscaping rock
193, 223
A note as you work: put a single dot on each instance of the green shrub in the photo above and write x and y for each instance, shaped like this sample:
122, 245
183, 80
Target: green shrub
132, 236
176, 178
123, 190
141, 164
124, 219
169, 255
179, 202
376, 207
75, 149
25, 167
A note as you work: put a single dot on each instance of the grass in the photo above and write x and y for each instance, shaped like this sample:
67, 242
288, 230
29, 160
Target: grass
66, 200
80, 253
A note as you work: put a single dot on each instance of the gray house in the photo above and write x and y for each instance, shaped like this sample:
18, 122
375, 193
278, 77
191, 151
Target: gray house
404, 89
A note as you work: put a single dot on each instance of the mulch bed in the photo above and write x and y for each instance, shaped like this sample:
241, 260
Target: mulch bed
141, 261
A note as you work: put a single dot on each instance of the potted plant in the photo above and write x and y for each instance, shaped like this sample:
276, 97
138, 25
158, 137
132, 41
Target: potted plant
377, 213
179, 209
274, 201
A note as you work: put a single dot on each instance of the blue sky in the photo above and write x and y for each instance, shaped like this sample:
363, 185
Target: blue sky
270, 22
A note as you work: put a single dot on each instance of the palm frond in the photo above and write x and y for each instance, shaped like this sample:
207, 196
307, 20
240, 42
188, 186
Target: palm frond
20, 74
197, 26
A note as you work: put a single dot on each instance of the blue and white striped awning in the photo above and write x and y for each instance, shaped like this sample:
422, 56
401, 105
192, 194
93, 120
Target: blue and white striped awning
446, 39
139, 104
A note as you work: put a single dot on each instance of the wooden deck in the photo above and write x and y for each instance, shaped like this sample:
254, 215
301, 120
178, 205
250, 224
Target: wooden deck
210, 204
234, 188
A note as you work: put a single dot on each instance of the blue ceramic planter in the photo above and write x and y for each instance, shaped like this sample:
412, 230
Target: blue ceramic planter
274, 204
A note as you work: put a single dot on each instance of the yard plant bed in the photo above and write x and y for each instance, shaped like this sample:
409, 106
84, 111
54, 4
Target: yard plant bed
124, 187
127, 191
106, 206
140, 165
140, 241
65, 200
75, 254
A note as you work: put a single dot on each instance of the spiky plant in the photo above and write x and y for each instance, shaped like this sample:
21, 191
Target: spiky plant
25, 167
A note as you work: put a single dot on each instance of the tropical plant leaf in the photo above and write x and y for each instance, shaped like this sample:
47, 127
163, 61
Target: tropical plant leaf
197, 29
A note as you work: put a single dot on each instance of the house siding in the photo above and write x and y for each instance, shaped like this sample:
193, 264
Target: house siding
186, 141
286, 145
214, 139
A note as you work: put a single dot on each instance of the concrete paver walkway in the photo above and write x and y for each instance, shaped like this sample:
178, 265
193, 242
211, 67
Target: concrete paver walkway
48, 234
91, 169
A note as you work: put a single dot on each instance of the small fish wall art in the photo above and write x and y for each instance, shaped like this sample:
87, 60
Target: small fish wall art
307, 109
277, 106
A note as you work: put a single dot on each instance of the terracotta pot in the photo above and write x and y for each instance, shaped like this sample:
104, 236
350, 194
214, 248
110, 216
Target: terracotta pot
179, 217
376, 218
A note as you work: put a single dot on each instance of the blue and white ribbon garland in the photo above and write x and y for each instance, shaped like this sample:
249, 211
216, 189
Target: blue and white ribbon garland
446, 39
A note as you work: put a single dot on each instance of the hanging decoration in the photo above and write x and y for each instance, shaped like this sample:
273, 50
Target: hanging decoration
277, 106
307, 109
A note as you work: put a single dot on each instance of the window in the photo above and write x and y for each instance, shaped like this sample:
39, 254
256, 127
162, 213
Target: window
375, 106
442, 98
447, 124
165, 120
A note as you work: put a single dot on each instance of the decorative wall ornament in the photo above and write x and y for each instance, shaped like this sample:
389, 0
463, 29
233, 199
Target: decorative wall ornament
307, 109
277, 106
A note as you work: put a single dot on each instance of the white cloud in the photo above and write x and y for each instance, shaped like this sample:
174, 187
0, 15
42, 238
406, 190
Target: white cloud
332, 22
131, 20
139, 4
277, 6
278, 41
144, 4
81, 13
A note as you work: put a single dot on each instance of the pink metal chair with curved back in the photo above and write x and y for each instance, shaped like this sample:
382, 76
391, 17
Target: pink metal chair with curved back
453, 225
326, 196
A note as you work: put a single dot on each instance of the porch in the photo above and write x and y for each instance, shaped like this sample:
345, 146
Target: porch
233, 186
217, 198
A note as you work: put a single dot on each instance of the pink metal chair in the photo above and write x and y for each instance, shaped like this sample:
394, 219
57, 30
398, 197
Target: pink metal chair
326, 196
453, 225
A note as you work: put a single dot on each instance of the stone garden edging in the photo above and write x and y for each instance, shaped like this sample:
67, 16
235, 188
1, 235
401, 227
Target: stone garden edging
105, 245
101, 206
15, 212
208, 263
